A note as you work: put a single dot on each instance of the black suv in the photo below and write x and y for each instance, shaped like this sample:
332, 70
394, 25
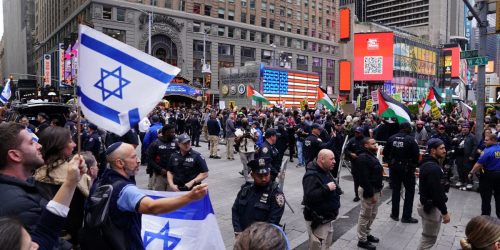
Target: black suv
54, 110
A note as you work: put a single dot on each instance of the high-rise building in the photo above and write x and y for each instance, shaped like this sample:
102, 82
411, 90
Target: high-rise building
435, 21
303, 33
18, 21
492, 42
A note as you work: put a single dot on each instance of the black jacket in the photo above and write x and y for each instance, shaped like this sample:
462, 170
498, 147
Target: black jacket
317, 196
21, 200
369, 173
431, 187
312, 145
159, 153
213, 127
402, 149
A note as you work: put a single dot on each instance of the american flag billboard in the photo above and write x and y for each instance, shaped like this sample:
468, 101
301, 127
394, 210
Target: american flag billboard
288, 88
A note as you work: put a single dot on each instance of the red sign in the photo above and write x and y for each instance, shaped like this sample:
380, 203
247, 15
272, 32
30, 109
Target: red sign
345, 75
345, 24
47, 69
455, 61
373, 56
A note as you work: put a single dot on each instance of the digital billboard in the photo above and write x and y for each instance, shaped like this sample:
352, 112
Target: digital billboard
288, 87
373, 56
453, 61
345, 24
345, 75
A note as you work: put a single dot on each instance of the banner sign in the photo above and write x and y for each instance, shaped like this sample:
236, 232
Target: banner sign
182, 89
47, 69
369, 106
436, 114
61, 63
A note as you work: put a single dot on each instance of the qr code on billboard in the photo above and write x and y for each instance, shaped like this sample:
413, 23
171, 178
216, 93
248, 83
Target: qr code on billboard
373, 65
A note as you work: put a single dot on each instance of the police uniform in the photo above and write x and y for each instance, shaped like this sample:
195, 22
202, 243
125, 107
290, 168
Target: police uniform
313, 144
402, 153
270, 151
185, 168
258, 203
489, 183
159, 153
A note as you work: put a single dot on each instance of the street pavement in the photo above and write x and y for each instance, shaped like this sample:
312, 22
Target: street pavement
224, 183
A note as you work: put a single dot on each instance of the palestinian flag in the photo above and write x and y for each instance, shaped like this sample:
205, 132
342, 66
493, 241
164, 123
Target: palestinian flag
432, 96
256, 96
390, 108
325, 100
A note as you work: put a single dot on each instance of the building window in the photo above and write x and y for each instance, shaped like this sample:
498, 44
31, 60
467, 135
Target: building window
230, 15
282, 26
301, 60
282, 11
328, 23
305, 44
306, 31
154, 2
226, 49
297, 2
252, 35
243, 17
197, 8
106, 12
263, 7
263, 37
196, 26
266, 55
298, 31
243, 34
271, 8
263, 22
252, 19
330, 76
298, 15
306, 17
230, 32
231, 1
313, 33
252, 4
221, 31
317, 62
208, 10
182, 6
271, 23
306, 3
248, 52
289, 27
330, 64
282, 41
220, 13
289, 13
243, 3
120, 14
116, 34
271, 39
168, 4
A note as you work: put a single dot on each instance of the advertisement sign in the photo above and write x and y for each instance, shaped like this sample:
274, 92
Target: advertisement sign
289, 86
345, 24
181, 89
373, 56
47, 69
453, 61
345, 75
61, 63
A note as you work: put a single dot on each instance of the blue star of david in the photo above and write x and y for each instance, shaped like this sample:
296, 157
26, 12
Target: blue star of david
107, 93
169, 242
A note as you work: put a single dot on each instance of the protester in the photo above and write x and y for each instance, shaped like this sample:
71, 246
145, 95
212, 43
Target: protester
482, 232
262, 236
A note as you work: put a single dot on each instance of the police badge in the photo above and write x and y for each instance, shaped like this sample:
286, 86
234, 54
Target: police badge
265, 150
262, 162
280, 200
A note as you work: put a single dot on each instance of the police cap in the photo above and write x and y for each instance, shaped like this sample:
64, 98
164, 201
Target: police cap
260, 165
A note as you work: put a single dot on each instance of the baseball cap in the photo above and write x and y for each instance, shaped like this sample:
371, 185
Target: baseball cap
93, 126
183, 138
260, 165
315, 125
270, 132
359, 130
434, 143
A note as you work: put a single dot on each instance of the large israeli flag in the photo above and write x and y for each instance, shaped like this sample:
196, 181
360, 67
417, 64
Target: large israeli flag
118, 85
6, 93
191, 227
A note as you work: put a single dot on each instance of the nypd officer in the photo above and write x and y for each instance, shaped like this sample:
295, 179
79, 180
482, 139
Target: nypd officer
159, 153
261, 200
489, 182
186, 167
313, 144
268, 150
402, 155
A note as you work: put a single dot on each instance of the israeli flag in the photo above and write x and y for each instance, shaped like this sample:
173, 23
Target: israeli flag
6, 93
193, 226
118, 85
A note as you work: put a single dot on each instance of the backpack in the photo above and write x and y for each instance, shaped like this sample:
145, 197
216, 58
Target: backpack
98, 231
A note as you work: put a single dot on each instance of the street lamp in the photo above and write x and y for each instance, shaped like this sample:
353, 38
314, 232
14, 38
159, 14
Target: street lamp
150, 24
204, 69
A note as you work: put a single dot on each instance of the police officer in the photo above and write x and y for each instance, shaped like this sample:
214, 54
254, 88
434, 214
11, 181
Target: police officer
186, 167
261, 200
268, 150
433, 187
159, 153
313, 144
402, 155
94, 144
353, 148
489, 182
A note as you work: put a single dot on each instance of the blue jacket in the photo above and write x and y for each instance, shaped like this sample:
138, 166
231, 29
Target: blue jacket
151, 135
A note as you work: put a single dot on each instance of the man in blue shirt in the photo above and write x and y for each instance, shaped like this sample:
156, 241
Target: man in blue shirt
152, 133
489, 181
127, 202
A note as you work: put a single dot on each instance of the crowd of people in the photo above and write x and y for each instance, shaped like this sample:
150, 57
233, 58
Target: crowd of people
49, 185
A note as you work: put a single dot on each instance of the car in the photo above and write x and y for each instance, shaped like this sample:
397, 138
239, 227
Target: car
54, 110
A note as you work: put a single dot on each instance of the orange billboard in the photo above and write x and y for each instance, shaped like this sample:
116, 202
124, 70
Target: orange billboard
453, 61
373, 56
345, 24
345, 75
